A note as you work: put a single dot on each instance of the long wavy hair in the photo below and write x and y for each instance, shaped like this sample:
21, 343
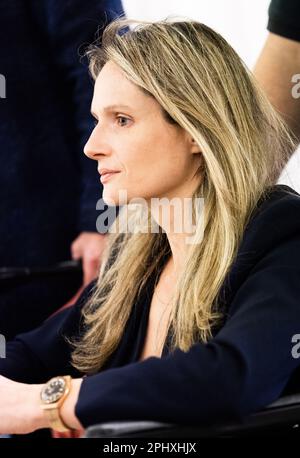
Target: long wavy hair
203, 86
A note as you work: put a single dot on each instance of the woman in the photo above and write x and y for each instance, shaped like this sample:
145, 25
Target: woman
178, 328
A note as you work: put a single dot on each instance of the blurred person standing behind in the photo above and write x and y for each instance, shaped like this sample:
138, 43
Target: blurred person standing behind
278, 66
49, 189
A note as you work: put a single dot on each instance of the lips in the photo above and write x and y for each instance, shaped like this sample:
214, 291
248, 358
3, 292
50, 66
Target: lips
106, 176
104, 171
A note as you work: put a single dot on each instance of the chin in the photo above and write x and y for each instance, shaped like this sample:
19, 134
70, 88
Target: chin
116, 198
110, 201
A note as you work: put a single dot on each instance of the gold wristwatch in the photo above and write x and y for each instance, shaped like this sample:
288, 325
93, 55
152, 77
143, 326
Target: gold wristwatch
52, 395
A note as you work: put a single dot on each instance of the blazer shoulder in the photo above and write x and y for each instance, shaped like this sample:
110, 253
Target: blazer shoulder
274, 220
279, 207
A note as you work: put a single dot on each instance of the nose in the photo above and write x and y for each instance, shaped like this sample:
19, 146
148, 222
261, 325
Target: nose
95, 146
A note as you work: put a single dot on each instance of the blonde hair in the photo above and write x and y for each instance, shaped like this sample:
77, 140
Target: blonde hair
203, 86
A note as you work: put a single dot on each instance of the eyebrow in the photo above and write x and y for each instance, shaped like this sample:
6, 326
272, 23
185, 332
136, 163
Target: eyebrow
112, 107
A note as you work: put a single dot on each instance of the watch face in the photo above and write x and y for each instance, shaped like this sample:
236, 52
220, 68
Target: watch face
54, 390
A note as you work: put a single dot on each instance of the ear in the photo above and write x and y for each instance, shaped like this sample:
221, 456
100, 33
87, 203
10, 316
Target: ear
194, 148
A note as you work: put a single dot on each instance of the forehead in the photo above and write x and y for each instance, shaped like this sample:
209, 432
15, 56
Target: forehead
112, 88
112, 83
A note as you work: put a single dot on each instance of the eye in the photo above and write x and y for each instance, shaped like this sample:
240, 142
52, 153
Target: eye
122, 118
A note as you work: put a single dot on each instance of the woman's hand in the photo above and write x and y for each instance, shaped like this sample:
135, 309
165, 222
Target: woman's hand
20, 407
21, 411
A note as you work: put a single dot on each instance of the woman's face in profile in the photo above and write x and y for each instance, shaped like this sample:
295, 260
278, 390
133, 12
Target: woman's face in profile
154, 158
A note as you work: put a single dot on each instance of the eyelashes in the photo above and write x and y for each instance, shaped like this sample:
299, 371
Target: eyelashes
124, 118
117, 118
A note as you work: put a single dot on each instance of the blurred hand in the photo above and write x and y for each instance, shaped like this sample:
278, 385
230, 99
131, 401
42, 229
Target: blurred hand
89, 247
67, 435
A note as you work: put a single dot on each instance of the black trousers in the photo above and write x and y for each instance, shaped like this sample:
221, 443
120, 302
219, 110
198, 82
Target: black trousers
26, 303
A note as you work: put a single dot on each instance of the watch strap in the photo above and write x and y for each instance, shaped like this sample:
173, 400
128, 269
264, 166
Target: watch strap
55, 420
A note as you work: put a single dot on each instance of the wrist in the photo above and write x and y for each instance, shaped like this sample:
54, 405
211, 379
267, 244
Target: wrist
67, 410
53, 395
37, 416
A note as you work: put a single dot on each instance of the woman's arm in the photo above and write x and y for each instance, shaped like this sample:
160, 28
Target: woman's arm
67, 410
31, 360
21, 410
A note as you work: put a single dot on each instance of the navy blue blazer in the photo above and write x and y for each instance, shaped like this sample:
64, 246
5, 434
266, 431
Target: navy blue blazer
247, 364
48, 187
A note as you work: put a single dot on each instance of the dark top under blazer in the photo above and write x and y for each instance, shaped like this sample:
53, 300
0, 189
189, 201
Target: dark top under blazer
246, 365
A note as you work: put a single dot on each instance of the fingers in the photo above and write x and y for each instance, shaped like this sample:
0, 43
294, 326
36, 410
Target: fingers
89, 247
90, 269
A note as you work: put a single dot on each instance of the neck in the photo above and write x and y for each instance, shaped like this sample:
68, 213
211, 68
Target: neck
175, 221
179, 250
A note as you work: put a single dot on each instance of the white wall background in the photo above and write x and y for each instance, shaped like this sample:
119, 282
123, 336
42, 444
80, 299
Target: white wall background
241, 22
